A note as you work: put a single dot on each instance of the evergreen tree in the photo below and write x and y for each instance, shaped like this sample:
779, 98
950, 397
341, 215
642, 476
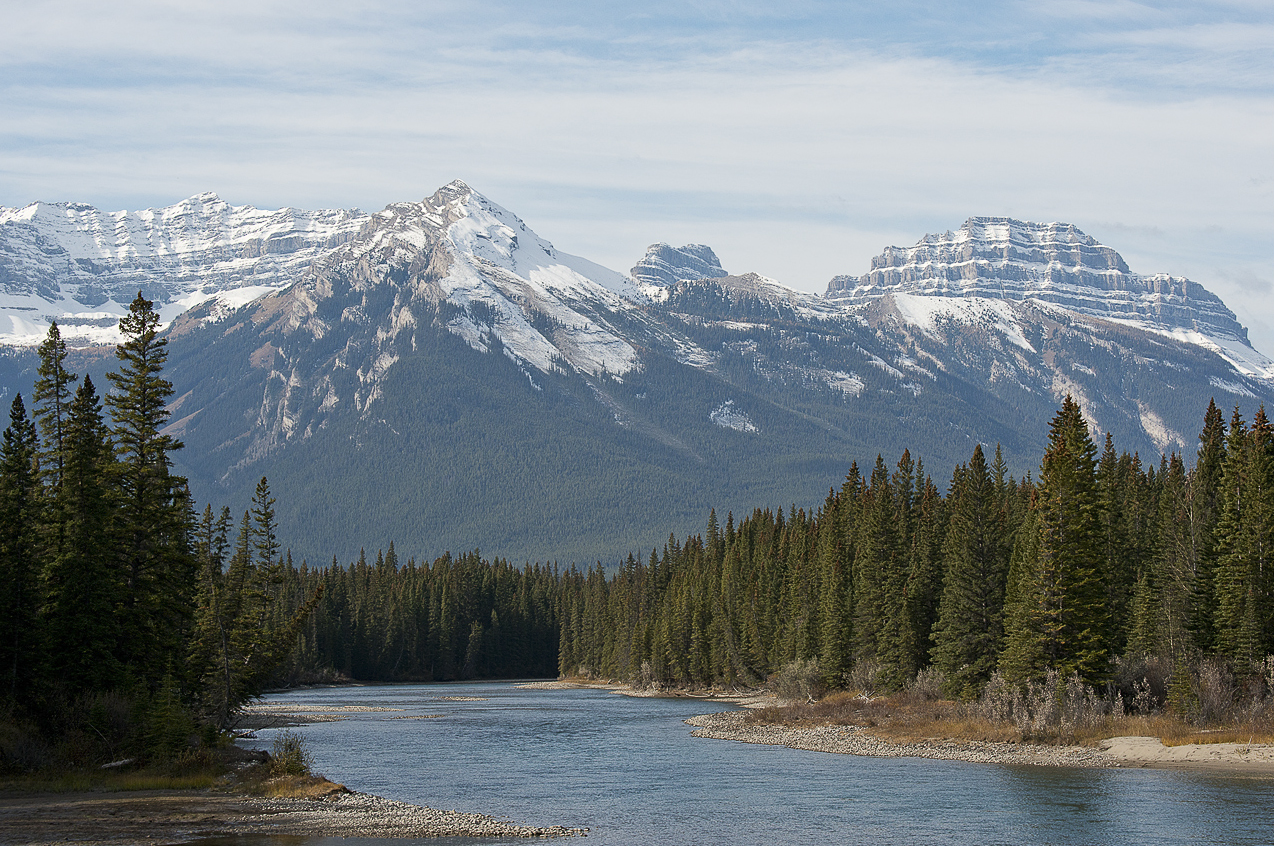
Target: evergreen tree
970, 628
1244, 569
19, 494
1064, 618
158, 570
53, 397
80, 581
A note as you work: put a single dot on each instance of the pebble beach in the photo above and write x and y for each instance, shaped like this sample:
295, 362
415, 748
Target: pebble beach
854, 740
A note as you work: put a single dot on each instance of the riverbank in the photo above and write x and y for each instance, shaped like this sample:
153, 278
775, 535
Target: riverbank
855, 740
1127, 752
177, 816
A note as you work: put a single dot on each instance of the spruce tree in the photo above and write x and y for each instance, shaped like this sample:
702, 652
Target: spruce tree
1063, 621
158, 570
1244, 569
970, 627
1206, 505
53, 397
19, 503
80, 577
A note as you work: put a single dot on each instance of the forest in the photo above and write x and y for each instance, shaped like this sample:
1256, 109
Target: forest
134, 623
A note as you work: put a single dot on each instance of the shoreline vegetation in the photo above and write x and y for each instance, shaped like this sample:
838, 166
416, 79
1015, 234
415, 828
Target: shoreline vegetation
894, 727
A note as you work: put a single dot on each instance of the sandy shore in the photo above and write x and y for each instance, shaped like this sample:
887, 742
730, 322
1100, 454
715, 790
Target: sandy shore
176, 816
1230, 758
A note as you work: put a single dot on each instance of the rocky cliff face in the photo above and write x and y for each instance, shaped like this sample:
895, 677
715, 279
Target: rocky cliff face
1006, 259
664, 265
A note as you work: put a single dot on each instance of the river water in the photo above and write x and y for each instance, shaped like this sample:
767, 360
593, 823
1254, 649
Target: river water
628, 769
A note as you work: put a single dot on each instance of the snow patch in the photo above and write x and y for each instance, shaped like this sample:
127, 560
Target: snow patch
1235, 388
727, 416
1163, 437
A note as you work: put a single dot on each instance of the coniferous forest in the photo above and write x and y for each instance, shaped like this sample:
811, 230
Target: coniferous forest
133, 622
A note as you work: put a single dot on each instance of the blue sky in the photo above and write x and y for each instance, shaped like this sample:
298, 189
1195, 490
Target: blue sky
797, 139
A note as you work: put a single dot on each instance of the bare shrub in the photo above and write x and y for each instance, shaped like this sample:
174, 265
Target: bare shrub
865, 678
646, 678
1051, 708
1143, 682
1214, 692
798, 680
928, 684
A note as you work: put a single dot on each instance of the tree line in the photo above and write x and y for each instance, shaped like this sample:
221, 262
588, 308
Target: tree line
1100, 559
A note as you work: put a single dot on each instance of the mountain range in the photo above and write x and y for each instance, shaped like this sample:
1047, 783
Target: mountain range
438, 374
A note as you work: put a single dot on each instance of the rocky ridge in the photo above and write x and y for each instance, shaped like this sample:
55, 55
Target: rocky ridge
1001, 258
82, 266
665, 265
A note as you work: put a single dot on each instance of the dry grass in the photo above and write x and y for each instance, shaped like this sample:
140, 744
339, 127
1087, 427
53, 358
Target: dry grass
300, 787
902, 717
78, 782
906, 717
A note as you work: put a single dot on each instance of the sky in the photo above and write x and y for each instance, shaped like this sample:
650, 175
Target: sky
797, 139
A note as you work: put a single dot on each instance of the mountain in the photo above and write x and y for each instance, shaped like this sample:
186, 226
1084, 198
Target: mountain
441, 376
81, 266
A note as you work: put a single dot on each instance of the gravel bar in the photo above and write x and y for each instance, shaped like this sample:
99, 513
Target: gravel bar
364, 815
854, 740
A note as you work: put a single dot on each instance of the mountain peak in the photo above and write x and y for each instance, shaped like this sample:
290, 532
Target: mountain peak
665, 265
1009, 259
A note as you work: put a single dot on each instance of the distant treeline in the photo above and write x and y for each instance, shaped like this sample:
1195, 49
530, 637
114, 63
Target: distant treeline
1099, 558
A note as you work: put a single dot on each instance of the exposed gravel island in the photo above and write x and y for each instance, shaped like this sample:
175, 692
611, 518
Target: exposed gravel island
854, 740
176, 816
1230, 758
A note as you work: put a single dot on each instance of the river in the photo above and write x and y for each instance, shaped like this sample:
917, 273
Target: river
628, 769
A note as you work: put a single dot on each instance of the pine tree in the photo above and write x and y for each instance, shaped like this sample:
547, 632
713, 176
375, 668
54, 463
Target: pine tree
158, 570
1063, 620
970, 628
19, 656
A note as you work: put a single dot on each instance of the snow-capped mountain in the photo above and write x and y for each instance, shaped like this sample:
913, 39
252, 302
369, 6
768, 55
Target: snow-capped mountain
665, 265
438, 374
80, 266
1001, 259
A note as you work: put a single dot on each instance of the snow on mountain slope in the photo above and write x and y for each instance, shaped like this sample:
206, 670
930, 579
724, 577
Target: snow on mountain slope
665, 265
996, 258
78, 265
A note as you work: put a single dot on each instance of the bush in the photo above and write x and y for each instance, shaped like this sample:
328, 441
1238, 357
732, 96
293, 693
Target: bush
289, 755
798, 680
1052, 708
1144, 682
928, 684
864, 678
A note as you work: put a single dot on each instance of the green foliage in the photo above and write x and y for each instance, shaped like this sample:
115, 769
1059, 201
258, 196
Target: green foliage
289, 755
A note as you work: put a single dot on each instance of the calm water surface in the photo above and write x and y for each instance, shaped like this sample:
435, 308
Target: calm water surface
628, 769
